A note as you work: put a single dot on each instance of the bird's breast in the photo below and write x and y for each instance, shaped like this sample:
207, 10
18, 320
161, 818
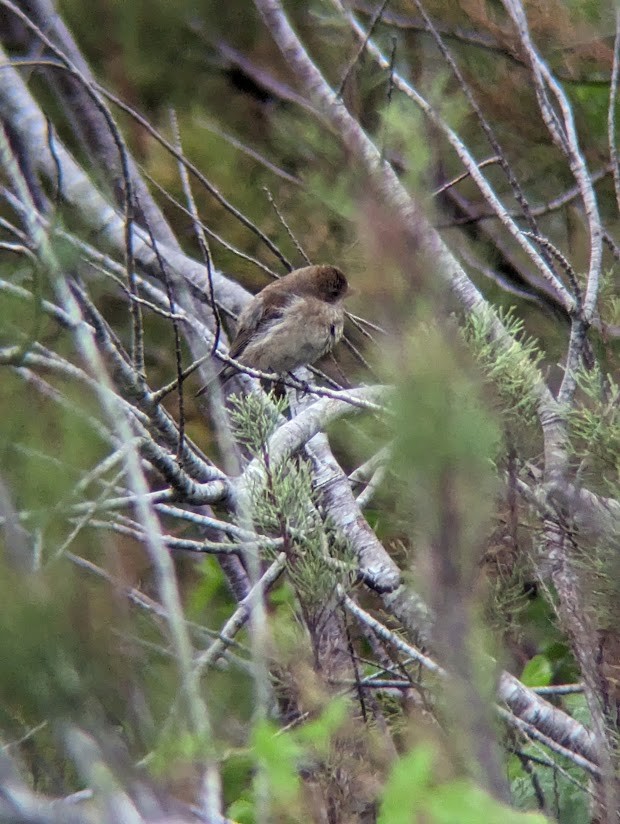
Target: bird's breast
306, 330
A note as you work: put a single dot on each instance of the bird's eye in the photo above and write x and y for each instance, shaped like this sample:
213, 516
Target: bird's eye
332, 331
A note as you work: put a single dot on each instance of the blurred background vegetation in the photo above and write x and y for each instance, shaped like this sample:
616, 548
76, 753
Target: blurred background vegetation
75, 653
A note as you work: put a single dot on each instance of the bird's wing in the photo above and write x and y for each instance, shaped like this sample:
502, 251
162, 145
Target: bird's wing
256, 318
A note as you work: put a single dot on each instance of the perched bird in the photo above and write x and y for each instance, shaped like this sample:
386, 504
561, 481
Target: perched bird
291, 322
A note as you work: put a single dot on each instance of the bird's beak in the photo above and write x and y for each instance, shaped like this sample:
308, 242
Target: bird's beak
351, 292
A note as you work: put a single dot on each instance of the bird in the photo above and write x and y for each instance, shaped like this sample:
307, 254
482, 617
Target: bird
292, 322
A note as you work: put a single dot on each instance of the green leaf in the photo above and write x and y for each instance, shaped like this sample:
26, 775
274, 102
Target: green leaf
467, 804
204, 593
410, 795
278, 754
318, 733
537, 672
406, 787
241, 811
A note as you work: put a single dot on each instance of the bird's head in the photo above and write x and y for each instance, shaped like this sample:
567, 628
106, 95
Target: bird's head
328, 283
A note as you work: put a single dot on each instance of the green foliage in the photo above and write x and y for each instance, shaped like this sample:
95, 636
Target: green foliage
242, 810
280, 754
599, 567
176, 746
411, 794
593, 102
255, 418
446, 440
211, 588
537, 672
334, 193
560, 781
408, 778
452, 427
508, 602
283, 505
468, 805
316, 735
609, 299
44, 446
40, 675
512, 371
58, 644
60, 658
595, 428
405, 133
592, 11
453, 107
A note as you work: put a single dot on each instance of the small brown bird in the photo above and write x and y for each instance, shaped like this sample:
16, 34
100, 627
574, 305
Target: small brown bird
292, 322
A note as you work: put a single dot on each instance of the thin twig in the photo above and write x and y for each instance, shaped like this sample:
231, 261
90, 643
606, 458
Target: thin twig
287, 228
611, 112
52, 147
389, 94
373, 25
196, 711
564, 263
240, 616
242, 147
483, 163
200, 235
128, 205
484, 123
178, 359
465, 156
218, 238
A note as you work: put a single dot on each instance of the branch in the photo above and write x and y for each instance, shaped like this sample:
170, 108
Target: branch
525, 704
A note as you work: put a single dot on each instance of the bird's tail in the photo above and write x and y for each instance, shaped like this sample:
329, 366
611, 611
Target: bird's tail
223, 374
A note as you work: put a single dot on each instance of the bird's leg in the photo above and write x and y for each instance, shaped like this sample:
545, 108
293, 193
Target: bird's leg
300, 386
